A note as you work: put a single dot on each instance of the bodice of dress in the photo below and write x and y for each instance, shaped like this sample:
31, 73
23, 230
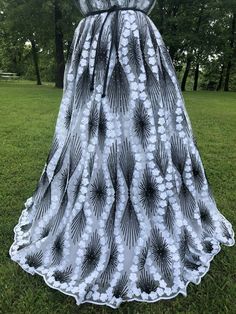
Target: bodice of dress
87, 6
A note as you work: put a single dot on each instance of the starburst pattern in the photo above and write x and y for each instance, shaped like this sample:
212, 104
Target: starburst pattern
98, 193
146, 283
91, 256
63, 276
142, 126
161, 253
149, 195
123, 209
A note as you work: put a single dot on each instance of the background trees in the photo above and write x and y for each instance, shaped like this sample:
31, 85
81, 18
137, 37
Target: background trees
200, 34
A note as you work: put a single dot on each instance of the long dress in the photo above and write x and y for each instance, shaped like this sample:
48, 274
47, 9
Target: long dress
123, 209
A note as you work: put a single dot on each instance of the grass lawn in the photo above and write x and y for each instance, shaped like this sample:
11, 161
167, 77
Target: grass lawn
28, 115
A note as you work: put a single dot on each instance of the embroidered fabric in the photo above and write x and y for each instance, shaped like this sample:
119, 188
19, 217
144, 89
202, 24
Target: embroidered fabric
123, 209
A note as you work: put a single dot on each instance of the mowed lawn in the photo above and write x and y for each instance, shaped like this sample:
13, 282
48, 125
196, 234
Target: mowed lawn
28, 115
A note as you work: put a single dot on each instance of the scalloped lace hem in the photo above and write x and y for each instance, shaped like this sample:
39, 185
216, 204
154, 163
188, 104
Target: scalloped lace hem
118, 301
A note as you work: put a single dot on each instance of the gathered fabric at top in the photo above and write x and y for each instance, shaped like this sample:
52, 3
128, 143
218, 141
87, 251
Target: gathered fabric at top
114, 42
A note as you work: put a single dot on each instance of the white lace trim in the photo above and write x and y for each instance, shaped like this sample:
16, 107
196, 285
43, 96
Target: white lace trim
118, 301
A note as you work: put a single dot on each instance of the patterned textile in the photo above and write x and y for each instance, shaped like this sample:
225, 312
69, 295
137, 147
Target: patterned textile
123, 209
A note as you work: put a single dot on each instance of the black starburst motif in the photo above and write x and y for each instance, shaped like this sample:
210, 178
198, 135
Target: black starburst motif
152, 84
68, 116
198, 174
64, 175
112, 167
77, 187
191, 265
143, 256
130, 225
161, 158
146, 283
112, 161
98, 193
102, 128
206, 219
91, 256
118, 90
82, 93
110, 223
168, 91
34, 260
78, 225
127, 162
189, 259
91, 164
61, 211
207, 246
45, 232
57, 248
143, 28
93, 121
44, 203
102, 56
161, 253
63, 276
169, 218
75, 154
149, 195
61, 159
111, 265
121, 288
135, 56
142, 125
178, 154
187, 201
41, 187
186, 241
226, 233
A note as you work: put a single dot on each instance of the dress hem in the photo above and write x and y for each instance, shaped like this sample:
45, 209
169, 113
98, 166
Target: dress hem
183, 291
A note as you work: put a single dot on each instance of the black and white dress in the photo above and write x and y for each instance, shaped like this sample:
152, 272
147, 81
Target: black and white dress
123, 209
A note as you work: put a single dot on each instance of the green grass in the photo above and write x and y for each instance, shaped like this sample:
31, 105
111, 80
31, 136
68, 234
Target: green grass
28, 115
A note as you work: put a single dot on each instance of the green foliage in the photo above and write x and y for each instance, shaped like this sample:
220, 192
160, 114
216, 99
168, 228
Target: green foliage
198, 29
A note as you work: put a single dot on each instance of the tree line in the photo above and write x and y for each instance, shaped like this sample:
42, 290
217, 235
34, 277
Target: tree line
35, 38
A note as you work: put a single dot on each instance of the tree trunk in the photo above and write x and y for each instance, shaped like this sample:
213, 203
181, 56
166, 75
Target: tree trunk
219, 86
35, 60
196, 76
59, 52
186, 73
227, 76
190, 55
229, 65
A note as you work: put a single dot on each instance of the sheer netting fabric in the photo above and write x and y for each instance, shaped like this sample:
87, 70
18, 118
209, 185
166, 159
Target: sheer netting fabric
123, 209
